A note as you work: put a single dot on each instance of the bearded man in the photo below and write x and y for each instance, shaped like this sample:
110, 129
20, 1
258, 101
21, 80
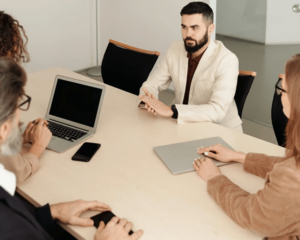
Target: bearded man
204, 73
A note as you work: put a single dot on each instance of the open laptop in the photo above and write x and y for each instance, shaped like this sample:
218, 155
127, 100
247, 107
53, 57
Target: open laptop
73, 112
179, 157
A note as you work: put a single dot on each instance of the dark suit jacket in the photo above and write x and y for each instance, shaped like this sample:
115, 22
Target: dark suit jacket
16, 222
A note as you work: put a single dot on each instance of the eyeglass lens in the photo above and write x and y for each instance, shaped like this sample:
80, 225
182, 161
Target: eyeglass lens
24, 103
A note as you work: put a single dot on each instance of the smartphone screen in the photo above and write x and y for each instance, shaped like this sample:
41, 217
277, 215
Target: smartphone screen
104, 217
86, 152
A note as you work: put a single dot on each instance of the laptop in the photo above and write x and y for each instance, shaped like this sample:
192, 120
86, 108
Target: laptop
179, 157
73, 112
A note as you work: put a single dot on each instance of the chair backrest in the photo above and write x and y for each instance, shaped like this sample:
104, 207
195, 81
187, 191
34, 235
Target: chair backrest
126, 67
244, 83
279, 120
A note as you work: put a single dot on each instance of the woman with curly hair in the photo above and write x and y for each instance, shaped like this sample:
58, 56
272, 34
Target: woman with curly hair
274, 211
13, 40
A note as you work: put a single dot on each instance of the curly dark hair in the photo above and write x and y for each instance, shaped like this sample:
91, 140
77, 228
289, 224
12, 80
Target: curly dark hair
11, 39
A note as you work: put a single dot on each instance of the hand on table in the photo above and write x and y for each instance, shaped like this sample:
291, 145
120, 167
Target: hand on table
147, 94
222, 153
206, 169
30, 125
69, 212
156, 106
117, 229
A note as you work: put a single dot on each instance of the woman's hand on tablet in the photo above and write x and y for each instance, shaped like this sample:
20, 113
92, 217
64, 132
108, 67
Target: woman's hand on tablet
222, 153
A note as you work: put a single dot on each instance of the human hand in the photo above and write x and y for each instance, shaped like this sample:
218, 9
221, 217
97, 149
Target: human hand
206, 169
116, 229
147, 94
40, 137
158, 106
69, 212
40, 134
30, 125
222, 153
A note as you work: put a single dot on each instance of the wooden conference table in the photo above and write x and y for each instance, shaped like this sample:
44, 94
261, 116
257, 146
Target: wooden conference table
126, 174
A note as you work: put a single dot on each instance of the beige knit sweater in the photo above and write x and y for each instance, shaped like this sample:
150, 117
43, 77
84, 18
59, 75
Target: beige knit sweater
23, 165
274, 211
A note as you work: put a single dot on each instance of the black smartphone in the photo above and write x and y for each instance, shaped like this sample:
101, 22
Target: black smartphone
86, 152
104, 217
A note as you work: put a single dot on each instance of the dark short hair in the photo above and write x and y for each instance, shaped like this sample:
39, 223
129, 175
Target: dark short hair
13, 39
12, 81
199, 8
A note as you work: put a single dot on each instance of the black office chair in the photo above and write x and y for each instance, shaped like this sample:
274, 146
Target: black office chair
245, 80
279, 120
126, 67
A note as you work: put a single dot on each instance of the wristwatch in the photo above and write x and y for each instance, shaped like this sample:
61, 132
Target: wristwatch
175, 112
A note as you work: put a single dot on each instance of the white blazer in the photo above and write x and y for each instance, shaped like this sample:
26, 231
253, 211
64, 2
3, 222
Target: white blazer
212, 89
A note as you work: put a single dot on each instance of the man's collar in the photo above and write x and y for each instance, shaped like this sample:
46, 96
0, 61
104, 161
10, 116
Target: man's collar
7, 180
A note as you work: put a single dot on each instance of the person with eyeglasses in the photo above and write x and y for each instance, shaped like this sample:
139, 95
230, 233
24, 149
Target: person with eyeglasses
273, 211
16, 221
13, 44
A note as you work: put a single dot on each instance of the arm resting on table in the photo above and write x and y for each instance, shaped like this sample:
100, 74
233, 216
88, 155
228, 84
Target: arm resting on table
270, 212
44, 217
260, 164
22, 165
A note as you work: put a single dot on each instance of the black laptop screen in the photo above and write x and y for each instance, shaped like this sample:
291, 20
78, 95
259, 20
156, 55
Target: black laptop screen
75, 102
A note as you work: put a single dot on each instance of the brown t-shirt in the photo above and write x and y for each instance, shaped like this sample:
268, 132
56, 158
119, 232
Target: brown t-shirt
193, 63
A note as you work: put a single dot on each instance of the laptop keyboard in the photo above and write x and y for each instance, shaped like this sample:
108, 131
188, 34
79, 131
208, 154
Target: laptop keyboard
66, 133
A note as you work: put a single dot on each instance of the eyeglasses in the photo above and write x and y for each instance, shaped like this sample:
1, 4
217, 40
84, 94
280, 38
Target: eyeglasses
278, 87
24, 106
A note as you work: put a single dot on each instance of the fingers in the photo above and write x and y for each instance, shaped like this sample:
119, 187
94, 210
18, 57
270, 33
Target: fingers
123, 222
149, 109
210, 154
36, 121
40, 123
198, 162
195, 166
92, 205
114, 220
149, 105
153, 97
146, 91
27, 131
80, 221
214, 148
136, 235
149, 100
128, 226
101, 226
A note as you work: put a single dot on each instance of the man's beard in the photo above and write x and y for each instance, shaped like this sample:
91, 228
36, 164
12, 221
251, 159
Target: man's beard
13, 143
198, 45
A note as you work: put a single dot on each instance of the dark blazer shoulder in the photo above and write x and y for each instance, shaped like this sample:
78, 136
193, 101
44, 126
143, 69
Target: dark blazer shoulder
16, 222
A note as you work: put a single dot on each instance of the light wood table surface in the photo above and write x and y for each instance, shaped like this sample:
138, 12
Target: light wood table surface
126, 174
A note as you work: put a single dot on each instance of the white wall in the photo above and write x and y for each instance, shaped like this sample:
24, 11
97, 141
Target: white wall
245, 19
60, 32
146, 24
63, 32
282, 23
